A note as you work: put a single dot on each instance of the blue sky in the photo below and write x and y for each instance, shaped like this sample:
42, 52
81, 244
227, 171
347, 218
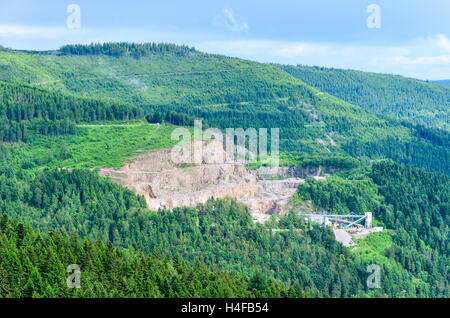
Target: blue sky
413, 38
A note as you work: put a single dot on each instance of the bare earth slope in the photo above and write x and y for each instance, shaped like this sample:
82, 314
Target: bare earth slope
165, 184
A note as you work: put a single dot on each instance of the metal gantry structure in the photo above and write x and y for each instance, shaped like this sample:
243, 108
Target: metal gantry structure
347, 220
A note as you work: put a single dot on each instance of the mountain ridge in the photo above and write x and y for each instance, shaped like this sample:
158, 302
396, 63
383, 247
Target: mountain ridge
422, 102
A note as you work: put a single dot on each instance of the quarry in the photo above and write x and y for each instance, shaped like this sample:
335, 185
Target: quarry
166, 185
266, 191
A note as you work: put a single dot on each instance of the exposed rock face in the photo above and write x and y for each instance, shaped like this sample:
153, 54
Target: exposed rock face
166, 184
292, 172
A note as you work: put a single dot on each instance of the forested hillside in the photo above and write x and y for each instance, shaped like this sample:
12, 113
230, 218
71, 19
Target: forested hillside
412, 201
34, 265
421, 102
64, 114
221, 234
25, 109
125, 49
226, 92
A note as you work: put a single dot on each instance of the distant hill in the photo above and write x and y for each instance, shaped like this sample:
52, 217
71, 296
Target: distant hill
421, 102
443, 82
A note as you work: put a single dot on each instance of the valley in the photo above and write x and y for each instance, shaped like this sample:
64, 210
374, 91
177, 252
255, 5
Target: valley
87, 177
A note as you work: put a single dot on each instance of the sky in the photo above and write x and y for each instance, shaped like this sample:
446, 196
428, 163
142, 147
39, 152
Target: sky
406, 37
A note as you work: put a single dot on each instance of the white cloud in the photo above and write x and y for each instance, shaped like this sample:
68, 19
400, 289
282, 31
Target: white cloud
52, 37
427, 58
299, 49
24, 31
437, 43
423, 60
231, 21
442, 41
263, 50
